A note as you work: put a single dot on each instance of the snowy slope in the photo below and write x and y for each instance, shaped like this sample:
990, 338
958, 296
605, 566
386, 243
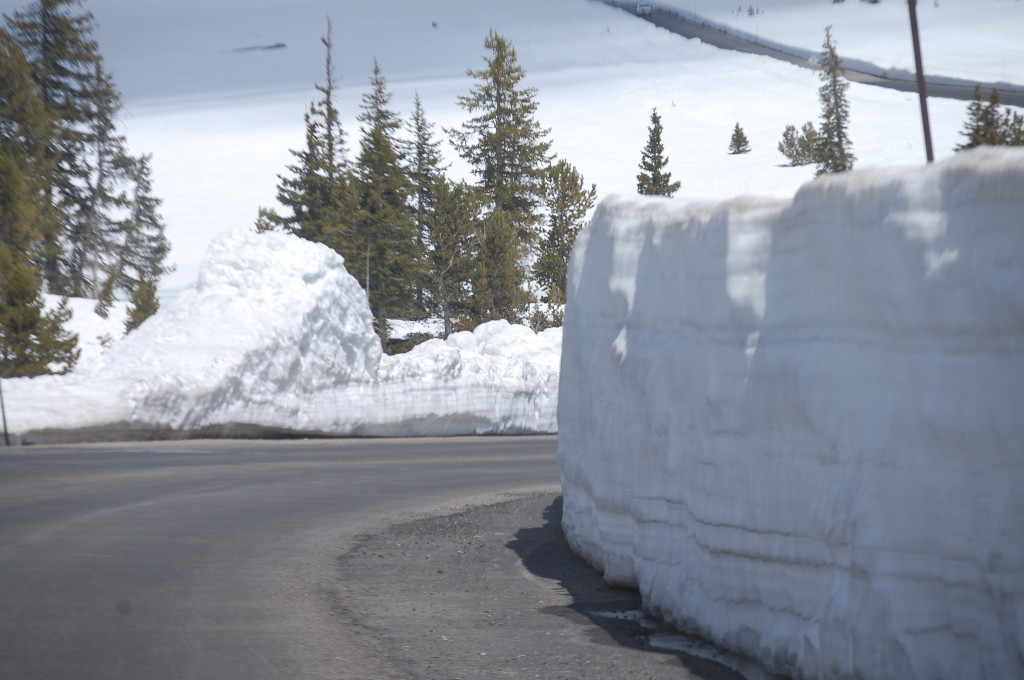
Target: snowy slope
796, 425
276, 337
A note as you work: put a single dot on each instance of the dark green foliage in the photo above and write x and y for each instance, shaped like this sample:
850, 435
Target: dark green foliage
739, 142
503, 142
653, 179
986, 124
569, 202
319, 194
497, 278
454, 225
144, 304
32, 341
424, 165
832, 152
91, 228
385, 224
799, 147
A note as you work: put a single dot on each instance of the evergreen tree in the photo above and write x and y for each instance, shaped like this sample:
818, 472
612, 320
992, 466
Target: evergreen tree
30, 338
453, 225
739, 142
319, 193
385, 223
144, 304
569, 202
497, 278
503, 142
833, 152
986, 124
799, 147
653, 179
424, 165
63, 56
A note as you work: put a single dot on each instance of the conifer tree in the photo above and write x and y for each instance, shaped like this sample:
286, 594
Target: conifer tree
739, 142
503, 142
32, 340
799, 147
833, 152
497, 278
453, 224
653, 179
986, 124
319, 194
59, 46
144, 304
385, 223
424, 165
569, 202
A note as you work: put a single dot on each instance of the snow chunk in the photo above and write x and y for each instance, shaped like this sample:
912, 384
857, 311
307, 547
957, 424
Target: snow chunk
276, 336
796, 425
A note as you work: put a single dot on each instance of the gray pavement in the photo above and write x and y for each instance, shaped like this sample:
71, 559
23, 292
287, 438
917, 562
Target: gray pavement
305, 559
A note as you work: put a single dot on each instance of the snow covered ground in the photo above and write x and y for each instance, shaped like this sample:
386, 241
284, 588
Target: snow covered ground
796, 424
275, 337
220, 122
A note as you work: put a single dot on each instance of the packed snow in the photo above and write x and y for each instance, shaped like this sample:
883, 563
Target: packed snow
275, 337
796, 425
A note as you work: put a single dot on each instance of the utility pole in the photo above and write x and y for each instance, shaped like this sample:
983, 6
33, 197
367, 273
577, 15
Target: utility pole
921, 92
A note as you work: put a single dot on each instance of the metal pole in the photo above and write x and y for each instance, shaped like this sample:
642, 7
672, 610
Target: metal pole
7, 439
921, 92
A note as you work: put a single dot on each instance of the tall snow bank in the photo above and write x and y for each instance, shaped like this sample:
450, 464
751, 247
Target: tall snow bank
797, 425
276, 337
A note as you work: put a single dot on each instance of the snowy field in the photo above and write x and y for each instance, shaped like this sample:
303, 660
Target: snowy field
796, 424
220, 122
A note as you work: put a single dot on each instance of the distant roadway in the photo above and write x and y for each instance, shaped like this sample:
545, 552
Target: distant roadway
687, 28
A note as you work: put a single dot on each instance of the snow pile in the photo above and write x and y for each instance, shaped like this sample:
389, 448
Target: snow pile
276, 337
796, 425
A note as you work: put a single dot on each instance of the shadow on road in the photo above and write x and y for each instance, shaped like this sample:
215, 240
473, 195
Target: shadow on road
616, 612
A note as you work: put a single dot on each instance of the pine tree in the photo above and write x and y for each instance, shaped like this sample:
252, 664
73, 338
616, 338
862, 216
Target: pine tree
497, 277
503, 142
987, 125
800, 148
144, 304
833, 152
424, 165
385, 223
569, 202
739, 142
653, 179
453, 224
63, 56
319, 193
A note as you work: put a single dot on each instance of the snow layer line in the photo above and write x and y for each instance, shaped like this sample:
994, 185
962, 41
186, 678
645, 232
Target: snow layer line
797, 425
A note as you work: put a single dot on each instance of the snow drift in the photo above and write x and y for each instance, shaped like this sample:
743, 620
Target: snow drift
797, 425
275, 337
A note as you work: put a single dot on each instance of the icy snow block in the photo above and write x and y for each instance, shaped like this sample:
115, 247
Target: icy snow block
798, 426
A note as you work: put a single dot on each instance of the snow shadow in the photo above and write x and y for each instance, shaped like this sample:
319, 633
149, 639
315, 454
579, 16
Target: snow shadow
616, 612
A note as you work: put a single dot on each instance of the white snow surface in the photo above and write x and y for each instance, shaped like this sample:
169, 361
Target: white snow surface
276, 337
796, 425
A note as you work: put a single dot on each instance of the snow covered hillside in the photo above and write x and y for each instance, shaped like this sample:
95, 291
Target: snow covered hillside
796, 425
276, 337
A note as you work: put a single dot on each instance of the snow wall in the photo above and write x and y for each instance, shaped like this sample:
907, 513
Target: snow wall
275, 337
798, 426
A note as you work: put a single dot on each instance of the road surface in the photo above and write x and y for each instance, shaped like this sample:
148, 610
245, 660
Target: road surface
687, 28
245, 560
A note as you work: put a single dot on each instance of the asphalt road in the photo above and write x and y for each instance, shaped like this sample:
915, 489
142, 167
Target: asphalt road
244, 560
691, 29
210, 559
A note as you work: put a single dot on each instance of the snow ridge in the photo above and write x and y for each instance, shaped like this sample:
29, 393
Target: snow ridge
795, 425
